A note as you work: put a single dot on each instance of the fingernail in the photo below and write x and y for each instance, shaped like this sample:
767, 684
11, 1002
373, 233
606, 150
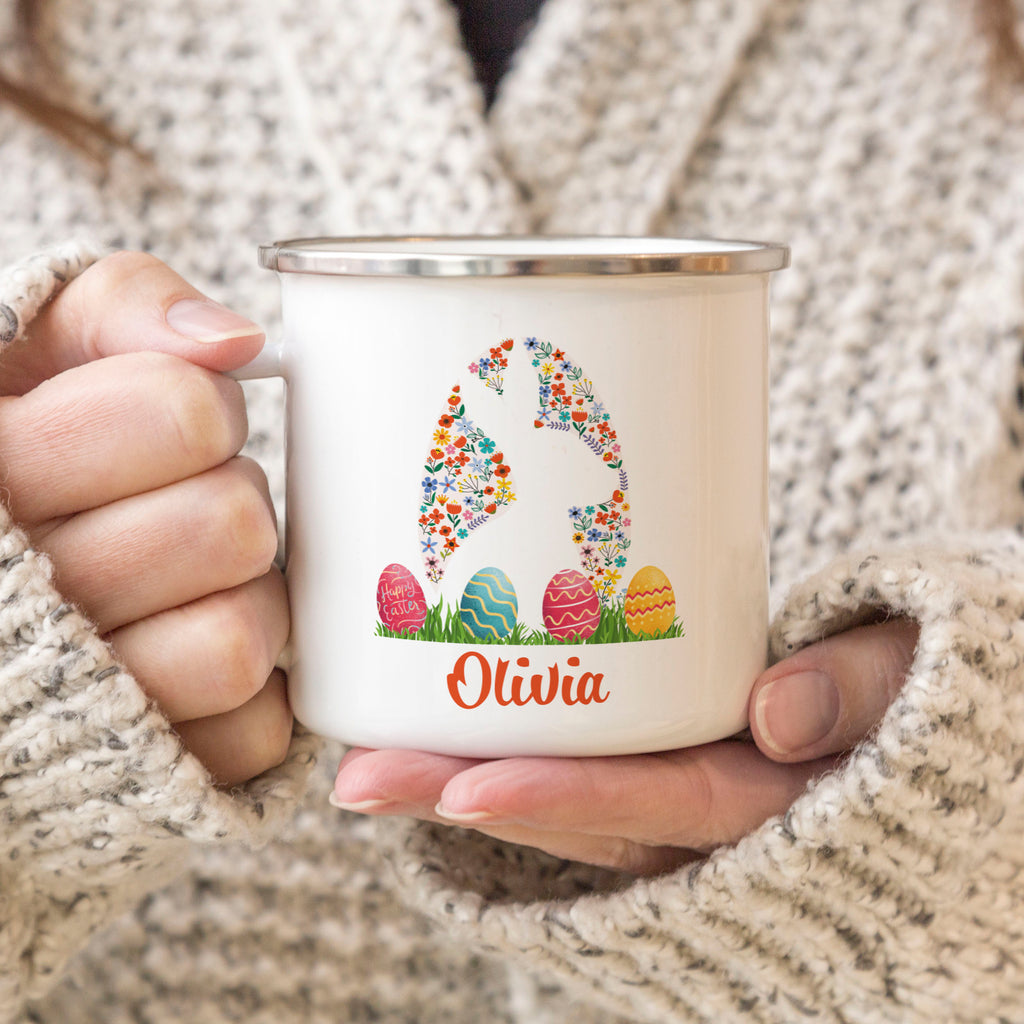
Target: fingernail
206, 321
463, 816
361, 806
796, 710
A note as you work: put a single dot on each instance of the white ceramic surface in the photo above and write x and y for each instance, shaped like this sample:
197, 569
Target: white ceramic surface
675, 364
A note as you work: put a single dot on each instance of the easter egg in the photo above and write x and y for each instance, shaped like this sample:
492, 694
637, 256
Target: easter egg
571, 606
489, 607
400, 601
650, 602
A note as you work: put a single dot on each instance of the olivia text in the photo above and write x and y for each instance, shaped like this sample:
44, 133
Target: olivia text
472, 681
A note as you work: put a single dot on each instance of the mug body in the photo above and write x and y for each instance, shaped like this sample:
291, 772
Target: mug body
527, 490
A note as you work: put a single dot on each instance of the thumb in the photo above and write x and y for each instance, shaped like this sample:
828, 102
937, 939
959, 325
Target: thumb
827, 697
129, 302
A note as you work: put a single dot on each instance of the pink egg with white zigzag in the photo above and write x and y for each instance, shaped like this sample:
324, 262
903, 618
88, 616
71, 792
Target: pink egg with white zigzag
571, 606
400, 601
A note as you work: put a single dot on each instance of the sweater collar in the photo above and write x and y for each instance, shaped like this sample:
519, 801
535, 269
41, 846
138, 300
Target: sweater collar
593, 125
608, 99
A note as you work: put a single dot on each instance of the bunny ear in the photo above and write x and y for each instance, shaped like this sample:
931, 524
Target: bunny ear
569, 402
467, 481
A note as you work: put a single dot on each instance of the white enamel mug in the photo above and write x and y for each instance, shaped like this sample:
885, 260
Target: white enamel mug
527, 489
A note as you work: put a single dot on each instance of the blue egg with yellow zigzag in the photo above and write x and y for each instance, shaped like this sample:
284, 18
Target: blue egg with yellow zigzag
489, 606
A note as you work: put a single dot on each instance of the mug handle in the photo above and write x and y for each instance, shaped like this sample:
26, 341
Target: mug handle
268, 363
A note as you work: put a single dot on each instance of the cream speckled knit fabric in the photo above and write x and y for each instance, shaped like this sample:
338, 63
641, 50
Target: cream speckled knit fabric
861, 134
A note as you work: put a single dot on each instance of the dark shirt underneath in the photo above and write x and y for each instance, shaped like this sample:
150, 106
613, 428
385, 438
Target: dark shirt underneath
491, 30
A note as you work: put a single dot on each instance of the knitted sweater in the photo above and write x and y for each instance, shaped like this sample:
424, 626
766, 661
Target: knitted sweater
860, 133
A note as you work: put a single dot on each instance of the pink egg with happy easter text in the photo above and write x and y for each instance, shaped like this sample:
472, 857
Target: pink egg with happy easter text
400, 601
571, 607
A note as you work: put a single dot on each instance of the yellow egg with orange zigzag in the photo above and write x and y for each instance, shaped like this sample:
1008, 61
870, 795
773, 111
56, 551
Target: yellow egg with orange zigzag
650, 602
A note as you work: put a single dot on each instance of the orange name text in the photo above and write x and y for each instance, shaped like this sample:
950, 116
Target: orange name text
473, 681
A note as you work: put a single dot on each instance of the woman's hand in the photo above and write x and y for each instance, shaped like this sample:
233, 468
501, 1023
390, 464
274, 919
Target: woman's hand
119, 457
647, 813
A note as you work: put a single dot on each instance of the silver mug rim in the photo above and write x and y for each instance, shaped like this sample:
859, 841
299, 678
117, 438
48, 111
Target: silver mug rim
521, 256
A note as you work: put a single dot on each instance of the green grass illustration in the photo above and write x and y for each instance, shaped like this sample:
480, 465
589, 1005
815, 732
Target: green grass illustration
443, 625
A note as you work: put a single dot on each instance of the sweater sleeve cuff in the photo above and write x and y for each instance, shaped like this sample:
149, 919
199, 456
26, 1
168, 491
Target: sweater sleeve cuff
26, 286
97, 795
875, 890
